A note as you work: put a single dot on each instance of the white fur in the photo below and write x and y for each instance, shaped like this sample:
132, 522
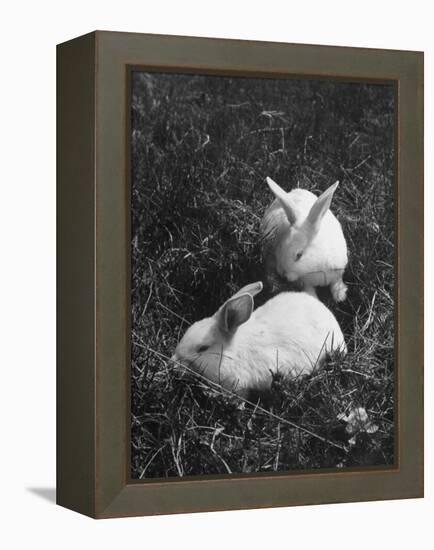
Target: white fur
289, 334
323, 246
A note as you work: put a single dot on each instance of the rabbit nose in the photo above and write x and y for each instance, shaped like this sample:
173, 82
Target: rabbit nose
177, 362
292, 277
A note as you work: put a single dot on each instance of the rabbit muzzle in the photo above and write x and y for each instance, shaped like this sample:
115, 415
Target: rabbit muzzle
176, 360
322, 278
291, 276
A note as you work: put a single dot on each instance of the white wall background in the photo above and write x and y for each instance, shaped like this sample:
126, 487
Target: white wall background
29, 32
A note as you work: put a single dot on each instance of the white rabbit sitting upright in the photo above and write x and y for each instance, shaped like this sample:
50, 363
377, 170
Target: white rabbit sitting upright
239, 348
303, 242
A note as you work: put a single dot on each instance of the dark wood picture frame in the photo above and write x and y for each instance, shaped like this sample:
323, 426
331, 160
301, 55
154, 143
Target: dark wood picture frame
93, 274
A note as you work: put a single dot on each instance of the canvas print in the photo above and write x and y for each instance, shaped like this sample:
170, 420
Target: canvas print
262, 275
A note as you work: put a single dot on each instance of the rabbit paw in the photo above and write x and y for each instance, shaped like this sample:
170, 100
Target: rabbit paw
339, 291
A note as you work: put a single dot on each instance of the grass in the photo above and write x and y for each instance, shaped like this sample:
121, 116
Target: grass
201, 149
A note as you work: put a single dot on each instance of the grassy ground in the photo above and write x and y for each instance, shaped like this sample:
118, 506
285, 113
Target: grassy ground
201, 149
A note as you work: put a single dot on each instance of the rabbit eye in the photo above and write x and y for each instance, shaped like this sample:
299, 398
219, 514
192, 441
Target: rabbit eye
298, 256
200, 349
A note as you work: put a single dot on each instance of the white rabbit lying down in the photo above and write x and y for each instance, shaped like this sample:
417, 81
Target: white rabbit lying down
303, 241
239, 348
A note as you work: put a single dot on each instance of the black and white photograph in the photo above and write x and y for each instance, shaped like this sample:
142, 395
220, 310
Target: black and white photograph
262, 276
216, 237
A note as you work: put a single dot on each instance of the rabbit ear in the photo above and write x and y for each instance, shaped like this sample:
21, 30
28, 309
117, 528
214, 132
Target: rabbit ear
236, 311
319, 209
252, 289
281, 196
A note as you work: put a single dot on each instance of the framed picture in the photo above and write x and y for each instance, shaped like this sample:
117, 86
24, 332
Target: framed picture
240, 274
